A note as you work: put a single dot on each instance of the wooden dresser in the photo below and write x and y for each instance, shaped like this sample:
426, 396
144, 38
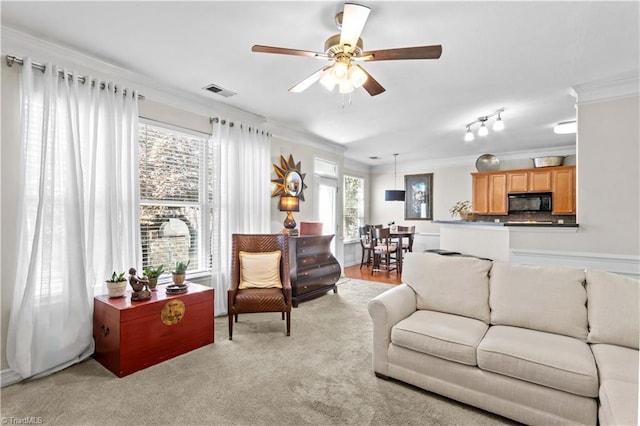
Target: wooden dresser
130, 336
314, 270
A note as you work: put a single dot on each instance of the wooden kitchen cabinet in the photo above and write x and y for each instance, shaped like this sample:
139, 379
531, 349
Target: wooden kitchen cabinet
564, 190
480, 199
529, 181
490, 193
491, 189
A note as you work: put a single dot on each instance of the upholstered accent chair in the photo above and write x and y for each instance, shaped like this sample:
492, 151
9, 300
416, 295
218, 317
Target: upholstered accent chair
256, 298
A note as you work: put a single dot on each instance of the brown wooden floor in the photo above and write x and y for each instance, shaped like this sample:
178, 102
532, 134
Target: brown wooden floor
365, 274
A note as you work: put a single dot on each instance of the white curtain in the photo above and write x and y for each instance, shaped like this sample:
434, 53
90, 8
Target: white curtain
78, 209
241, 198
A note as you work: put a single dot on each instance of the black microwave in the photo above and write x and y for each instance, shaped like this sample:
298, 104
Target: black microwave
530, 202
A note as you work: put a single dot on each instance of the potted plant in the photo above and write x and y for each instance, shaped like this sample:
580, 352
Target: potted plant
117, 285
179, 272
392, 226
462, 209
152, 274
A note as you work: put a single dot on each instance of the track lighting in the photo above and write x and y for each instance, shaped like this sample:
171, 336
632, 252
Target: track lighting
483, 130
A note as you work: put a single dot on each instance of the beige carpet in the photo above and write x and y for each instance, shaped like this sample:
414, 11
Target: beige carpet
320, 375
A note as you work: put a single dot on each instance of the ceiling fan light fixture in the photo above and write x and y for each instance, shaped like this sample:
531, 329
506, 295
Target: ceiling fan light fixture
357, 76
346, 86
328, 80
340, 70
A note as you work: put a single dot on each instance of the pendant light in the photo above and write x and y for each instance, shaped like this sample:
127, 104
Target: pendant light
394, 194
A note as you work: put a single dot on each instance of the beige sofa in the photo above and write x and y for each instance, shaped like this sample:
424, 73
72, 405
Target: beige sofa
539, 345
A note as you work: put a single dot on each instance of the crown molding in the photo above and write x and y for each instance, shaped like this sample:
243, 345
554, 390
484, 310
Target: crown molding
288, 134
356, 166
469, 161
620, 86
21, 44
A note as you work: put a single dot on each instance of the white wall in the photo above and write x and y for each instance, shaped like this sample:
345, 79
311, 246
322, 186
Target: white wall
608, 183
306, 154
450, 185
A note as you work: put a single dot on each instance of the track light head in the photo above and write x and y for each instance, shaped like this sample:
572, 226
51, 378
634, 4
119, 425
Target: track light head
483, 131
468, 137
498, 124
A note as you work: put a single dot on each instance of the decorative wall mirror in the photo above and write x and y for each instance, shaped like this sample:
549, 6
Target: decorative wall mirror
290, 179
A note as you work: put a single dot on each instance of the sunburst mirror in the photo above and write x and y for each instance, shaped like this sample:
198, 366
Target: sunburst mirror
290, 179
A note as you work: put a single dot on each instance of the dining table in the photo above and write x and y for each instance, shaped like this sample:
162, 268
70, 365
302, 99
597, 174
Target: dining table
398, 238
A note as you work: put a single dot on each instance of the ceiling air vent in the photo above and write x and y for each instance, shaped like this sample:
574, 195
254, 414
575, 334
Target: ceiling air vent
219, 91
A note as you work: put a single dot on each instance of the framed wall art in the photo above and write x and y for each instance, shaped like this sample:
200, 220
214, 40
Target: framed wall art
418, 202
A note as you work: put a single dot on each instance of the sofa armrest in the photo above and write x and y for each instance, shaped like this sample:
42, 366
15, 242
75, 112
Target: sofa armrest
386, 310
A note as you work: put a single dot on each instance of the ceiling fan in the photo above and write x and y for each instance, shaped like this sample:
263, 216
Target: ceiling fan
345, 50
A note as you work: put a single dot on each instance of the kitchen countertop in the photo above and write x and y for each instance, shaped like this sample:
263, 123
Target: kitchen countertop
515, 223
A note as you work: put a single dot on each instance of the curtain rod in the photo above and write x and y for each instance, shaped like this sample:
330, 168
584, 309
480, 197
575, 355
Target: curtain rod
41, 67
231, 124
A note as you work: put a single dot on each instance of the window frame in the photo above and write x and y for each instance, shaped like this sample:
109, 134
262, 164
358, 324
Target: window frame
204, 202
361, 206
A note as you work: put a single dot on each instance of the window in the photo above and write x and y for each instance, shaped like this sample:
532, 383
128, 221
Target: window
175, 196
353, 206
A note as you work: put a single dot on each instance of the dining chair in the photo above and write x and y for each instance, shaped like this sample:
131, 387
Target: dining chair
384, 252
260, 280
409, 246
365, 243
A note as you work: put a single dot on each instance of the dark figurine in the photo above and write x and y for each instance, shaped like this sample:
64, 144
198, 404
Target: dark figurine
139, 285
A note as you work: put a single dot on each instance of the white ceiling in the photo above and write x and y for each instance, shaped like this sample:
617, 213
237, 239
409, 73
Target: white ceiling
523, 56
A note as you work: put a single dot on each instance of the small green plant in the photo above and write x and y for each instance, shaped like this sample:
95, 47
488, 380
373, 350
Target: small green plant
391, 223
181, 267
115, 278
460, 208
152, 272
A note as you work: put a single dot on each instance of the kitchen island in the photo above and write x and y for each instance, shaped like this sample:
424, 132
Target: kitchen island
492, 240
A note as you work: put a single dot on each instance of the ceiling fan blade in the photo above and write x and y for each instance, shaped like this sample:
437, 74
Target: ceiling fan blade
418, 52
304, 84
353, 19
371, 85
285, 51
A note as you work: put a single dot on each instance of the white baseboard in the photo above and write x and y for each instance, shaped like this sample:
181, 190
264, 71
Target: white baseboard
9, 377
616, 263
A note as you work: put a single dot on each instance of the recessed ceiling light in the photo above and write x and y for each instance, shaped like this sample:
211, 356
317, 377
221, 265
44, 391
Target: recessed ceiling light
374, 158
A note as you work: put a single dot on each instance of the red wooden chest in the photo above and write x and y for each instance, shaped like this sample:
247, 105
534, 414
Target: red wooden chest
131, 336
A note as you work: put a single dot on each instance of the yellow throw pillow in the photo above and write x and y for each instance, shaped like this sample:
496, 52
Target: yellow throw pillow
260, 270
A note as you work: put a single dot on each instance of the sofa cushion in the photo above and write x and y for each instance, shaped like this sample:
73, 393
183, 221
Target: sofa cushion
451, 337
454, 285
613, 309
539, 298
552, 360
618, 403
616, 362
